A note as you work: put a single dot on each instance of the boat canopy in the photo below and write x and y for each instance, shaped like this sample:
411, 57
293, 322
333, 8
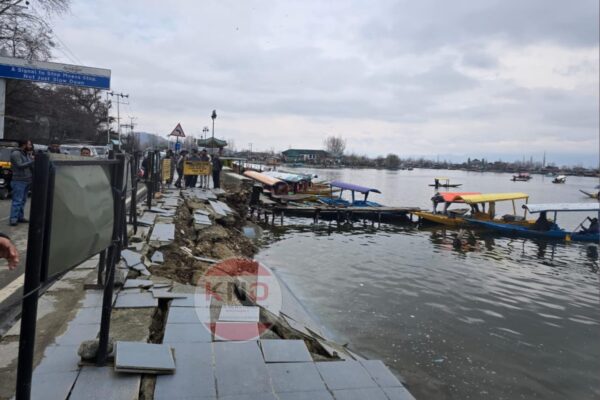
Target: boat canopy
352, 187
492, 197
552, 207
284, 176
561, 177
455, 197
442, 178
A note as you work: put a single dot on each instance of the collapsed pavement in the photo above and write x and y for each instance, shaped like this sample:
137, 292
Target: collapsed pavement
186, 281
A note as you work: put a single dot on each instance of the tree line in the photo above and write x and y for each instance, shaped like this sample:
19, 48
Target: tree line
43, 112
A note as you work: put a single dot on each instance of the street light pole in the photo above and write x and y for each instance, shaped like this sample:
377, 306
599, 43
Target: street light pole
204, 134
213, 116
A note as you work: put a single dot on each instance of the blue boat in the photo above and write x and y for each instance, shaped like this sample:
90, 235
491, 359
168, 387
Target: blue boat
546, 229
353, 189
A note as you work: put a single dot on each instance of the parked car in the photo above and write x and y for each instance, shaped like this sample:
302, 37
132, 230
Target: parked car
102, 151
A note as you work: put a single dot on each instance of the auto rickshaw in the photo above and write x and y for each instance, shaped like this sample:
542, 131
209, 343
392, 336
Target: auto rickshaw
6, 148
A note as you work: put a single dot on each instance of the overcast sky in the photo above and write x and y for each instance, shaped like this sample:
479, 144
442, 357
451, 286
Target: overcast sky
505, 78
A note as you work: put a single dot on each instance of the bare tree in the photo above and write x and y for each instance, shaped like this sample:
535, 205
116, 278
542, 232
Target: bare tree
335, 145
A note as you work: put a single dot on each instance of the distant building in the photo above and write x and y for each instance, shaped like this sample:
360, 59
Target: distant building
305, 156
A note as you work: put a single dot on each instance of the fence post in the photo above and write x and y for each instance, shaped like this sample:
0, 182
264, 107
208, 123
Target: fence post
149, 185
34, 260
114, 253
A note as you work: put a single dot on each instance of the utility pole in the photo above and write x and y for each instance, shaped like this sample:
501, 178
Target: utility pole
250, 155
119, 97
213, 116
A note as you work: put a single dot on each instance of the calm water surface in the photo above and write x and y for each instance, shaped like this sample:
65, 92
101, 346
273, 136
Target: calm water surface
504, 318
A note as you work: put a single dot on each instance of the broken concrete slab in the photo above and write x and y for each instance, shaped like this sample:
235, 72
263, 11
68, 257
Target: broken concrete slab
149, 358
89, 315
239, 314
137, 283
217, 208
285, 351
240, 369
131, 258
295, 377
163, 233
147, 219
345, 375
136, 300
158, 257
166, 294
106, 384
193, 300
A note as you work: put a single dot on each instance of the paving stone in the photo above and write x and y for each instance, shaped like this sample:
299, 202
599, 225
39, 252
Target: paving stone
236, 331
360, 394
137, 283
240, 368
398, 393
131, 257
187, 333
59, 359
239, 314
92, 299
277, 351
250, 396
193, 300
188, 315
146, 357
158, 257
217, 208
105, 384
76, 334
147, 219
136, 300
295, 377
52, 386
163, 233
345, 375
318, 395
194, 376
89, 315
380, 373
166, 294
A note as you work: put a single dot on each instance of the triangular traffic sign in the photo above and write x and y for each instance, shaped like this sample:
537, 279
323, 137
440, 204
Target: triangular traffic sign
178, 131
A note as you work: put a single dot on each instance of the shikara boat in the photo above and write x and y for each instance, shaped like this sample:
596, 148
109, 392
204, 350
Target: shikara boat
545, 229
560, 179
275, 185
353, 189
448, 216
591, 195
444, 182
481, 207
521, 177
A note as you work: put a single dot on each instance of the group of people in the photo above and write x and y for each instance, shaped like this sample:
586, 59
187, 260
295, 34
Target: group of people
191, 181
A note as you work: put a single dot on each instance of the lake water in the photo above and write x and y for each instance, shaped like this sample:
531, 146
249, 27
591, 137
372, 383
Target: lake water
504, 318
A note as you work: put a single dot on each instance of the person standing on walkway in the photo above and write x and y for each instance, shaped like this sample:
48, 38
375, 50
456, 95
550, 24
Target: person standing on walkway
172, 162
217, 166
204, 178
190, 180
179, 164
22, 169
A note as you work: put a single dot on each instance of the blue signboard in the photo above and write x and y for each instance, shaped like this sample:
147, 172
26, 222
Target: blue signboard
54, 73
177, 146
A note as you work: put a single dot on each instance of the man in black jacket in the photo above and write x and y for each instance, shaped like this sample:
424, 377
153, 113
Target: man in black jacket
217, 166
22, 173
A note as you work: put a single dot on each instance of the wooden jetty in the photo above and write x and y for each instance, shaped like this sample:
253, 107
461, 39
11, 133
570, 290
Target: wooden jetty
269, 209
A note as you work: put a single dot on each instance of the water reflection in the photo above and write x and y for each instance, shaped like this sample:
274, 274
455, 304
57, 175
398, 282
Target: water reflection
495, 317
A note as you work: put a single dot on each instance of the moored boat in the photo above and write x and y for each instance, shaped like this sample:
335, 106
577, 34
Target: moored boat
560, 179
444, 182
546, 229
275, 185
591, 195
481, 207
521, 177
448, 216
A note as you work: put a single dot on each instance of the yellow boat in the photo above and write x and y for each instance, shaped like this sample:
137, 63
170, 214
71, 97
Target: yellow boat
482, 207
